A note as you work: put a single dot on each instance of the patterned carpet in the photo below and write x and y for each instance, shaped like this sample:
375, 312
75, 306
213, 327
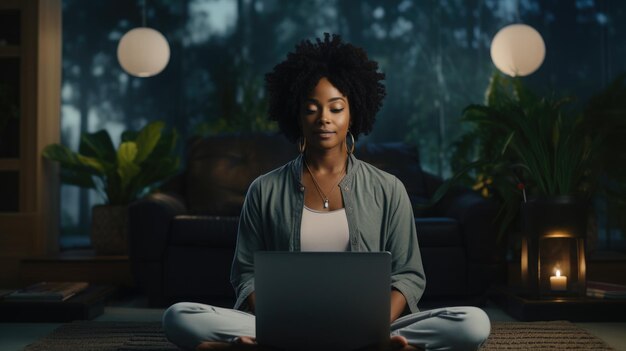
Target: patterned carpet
127, 336
557, 335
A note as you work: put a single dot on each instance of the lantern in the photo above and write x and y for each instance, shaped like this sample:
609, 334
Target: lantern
553, 247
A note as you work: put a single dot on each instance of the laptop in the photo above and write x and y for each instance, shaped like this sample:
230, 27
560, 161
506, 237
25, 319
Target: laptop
322, 300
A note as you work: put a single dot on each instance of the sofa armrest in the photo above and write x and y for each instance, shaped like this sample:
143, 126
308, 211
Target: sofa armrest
149, 221
476, 217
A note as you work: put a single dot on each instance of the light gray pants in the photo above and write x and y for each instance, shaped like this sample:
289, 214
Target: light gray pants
188, 324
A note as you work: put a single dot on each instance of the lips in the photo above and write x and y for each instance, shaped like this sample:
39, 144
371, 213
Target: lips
324, 134
327, 132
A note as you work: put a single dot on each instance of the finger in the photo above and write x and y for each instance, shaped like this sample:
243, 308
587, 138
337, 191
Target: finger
249, 340
398, 341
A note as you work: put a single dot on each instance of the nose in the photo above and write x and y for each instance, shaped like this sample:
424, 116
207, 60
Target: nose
324, 117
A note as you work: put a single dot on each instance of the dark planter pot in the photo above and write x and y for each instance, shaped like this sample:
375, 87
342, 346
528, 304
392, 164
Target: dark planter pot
109, 230
564, 212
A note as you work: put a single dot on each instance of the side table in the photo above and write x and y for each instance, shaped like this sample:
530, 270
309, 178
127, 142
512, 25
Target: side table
85, 305
574, 309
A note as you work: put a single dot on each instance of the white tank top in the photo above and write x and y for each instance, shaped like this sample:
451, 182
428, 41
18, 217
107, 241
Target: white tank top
324, 231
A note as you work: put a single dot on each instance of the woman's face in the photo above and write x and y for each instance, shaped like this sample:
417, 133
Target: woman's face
325, 117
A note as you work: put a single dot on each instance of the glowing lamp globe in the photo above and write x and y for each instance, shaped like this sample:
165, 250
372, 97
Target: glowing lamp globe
518, 50
143, 52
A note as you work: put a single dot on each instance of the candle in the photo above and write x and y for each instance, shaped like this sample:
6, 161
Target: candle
558, 282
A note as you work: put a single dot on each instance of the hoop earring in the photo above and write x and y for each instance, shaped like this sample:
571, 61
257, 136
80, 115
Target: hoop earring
351, 148
301, 144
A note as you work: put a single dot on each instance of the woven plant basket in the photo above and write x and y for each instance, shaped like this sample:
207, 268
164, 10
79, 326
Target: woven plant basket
109, 230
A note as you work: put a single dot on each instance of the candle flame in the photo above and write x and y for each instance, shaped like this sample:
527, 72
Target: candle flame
558, 272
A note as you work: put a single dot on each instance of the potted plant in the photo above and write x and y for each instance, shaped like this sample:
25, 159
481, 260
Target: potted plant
142, 160
522, 146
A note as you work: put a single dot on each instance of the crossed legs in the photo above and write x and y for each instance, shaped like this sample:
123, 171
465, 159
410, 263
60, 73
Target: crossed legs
189, 324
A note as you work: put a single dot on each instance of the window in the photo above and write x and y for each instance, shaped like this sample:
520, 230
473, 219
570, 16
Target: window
435, 55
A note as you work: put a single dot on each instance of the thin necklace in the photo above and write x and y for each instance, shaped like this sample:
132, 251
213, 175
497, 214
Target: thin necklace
317, 186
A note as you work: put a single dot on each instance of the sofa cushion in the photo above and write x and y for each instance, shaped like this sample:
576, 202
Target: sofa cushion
438, 231
212, 231
399, 159
221, 168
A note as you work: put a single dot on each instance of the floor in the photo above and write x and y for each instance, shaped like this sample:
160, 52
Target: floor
15, 336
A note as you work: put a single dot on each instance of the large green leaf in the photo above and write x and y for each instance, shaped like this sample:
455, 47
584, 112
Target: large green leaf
164, 148
69, 159
93, 163
98, 145
155, 173
147, 139
126, 167
62, 154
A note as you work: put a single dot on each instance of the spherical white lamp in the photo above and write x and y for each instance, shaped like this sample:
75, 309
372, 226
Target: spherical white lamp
518, 50
143, 52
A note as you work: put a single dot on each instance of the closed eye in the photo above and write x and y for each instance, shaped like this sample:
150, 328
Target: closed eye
336, 110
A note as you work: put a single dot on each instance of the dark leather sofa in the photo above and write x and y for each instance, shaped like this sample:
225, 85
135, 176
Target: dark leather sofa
182, 239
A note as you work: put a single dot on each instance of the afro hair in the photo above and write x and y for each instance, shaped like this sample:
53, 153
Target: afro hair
344, 65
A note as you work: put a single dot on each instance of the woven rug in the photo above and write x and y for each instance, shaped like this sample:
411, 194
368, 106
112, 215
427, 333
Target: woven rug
127, 336
557, 335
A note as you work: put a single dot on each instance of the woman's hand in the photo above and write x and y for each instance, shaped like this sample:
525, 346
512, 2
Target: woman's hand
246, 340
400, 343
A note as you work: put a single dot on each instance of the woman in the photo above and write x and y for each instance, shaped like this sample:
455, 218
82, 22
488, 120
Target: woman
324, 95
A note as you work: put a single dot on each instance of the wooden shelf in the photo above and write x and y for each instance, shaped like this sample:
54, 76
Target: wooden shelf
87, 304
78, 265
31, 48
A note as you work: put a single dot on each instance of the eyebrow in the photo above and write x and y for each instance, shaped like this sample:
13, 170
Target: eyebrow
329, 100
